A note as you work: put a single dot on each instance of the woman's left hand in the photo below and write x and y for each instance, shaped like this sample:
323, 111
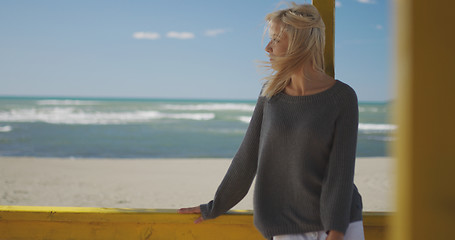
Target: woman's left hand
196, 210
335, 235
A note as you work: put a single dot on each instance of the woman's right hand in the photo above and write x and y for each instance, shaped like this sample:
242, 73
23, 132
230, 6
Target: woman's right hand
196, 210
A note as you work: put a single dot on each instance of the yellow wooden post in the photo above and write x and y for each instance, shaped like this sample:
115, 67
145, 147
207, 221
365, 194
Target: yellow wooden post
425, 148
327, 10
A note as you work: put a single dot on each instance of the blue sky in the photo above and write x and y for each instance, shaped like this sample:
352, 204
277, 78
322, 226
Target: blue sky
172, 49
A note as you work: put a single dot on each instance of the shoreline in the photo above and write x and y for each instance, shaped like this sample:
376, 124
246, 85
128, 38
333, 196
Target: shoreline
152, 182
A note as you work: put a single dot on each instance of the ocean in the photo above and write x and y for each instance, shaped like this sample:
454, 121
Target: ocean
149, 128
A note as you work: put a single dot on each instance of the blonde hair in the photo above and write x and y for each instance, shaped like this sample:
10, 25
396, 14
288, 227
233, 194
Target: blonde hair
306, 40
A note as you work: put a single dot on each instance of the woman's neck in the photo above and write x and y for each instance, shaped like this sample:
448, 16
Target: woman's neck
308, 82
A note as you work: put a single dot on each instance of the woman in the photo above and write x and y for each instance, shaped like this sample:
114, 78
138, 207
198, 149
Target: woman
300, 144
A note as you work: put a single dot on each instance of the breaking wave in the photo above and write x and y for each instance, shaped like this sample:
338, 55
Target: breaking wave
59, 115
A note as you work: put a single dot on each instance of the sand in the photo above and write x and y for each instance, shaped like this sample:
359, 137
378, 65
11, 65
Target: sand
150, 183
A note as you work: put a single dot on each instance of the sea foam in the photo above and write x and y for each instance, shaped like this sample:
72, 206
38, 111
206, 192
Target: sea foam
211, 107
245, 119
59, 115
6, 128
373, 127
365, 109
66, 102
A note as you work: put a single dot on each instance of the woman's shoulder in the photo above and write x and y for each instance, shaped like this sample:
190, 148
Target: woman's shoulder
344, 90
346, 97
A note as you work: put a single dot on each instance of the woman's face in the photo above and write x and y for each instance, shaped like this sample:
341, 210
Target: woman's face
278, 44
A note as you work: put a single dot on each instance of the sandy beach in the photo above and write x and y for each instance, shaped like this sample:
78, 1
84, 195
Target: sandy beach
150, 183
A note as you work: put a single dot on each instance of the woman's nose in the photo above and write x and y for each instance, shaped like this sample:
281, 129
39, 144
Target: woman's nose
268, 48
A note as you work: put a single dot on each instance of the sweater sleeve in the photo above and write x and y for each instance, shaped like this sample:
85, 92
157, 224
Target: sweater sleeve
241, 172
338, 183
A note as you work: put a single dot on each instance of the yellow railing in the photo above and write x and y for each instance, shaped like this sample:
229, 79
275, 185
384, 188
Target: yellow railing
17, 222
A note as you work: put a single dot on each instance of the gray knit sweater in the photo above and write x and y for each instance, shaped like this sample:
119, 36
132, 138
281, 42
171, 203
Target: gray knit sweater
302, 151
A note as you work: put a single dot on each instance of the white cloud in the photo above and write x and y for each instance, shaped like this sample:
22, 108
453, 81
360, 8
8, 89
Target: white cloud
180, 35
146, 35
367, 1
337, 4
214, 32
379, 27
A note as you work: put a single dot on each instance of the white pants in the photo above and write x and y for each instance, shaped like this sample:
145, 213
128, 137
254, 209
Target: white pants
354, 232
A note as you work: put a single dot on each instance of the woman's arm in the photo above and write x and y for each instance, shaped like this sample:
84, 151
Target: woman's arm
338, 183
241, 172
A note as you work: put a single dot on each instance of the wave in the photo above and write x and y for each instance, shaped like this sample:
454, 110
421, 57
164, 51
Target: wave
66, 102
382, 138
74, 116
371, 109
233, 131
211, 107
6, 128
245, 119
376, 128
